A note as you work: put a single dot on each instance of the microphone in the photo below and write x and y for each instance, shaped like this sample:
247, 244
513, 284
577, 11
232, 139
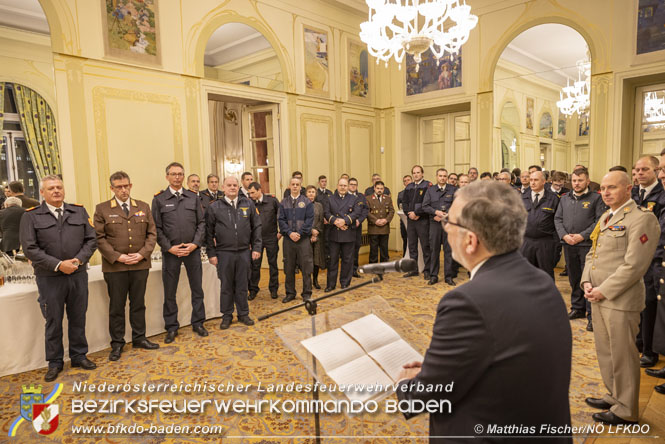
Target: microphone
400, 266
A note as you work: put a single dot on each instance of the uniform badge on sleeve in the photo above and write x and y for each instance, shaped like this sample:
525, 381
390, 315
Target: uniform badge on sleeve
644, 238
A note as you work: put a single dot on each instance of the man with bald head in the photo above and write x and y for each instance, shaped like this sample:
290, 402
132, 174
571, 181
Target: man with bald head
650, 195
623, 245
540, 238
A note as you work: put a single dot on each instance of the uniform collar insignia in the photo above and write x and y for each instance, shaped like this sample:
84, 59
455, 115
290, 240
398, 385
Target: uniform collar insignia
134, 203
114, 203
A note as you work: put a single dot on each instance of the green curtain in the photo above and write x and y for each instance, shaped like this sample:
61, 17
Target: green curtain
38, 124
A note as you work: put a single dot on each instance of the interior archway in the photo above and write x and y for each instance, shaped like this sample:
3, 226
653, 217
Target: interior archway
533, 71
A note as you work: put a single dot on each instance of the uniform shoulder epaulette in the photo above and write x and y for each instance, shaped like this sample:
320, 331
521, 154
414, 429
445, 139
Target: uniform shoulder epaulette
645, 210
159, 192
76, 205
33, 208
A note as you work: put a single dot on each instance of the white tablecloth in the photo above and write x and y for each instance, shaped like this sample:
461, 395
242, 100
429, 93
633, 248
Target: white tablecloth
22, 323
421, 259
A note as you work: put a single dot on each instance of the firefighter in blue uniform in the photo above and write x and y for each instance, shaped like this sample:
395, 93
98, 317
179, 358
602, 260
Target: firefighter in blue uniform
650, 195
180, 225
362, 210
436, 203
417, 227
233, 239
58, 239
339, 211
540, 238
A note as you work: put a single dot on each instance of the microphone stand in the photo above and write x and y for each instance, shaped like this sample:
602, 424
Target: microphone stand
311, 306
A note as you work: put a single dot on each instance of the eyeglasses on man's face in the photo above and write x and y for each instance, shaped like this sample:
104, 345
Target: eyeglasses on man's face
446, 221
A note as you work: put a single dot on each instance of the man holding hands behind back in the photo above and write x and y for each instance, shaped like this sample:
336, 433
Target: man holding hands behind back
126, 236
624, 242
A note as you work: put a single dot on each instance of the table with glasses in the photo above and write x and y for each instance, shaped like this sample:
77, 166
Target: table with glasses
22, 324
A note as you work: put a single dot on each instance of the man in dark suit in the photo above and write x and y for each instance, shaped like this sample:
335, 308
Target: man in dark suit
400, 201
211, 194
16, 189
339, 212
58, 239
10, 223
417, 227
540, 238
180, 225
493, 335
649, 194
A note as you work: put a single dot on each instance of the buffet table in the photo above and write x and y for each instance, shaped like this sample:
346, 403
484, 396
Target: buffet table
22, 323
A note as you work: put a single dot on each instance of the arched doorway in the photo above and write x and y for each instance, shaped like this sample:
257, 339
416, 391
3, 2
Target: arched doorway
533, 71
29, 146
238, 53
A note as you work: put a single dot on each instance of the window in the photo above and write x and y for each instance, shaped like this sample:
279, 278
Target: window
446, 142
15, 159
260, 145
650, 121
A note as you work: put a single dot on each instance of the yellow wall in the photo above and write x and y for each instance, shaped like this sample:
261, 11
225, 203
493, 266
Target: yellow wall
113, 114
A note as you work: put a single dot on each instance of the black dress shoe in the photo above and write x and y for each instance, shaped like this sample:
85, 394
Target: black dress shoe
306, 297
226, 323
274, 295
660, 389
426, 275
52, 373
145, 344
288, 298
316, 285
356, 274
656, 373
576, 314
648, 361
343, 287
450, 282
85, 364
251, 296
116, 351
170, 336
598, 403
200, 330
246, 320
329, 289
589, 326
433, 280
411, 274
610, 418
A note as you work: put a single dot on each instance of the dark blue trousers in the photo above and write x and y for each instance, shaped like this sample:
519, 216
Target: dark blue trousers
57, 294
170, 277
232, 269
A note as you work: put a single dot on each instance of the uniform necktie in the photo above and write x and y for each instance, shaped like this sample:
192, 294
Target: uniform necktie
609, 216
177, 195
233, 204
59, 211
125, 209
642, 193
535, 199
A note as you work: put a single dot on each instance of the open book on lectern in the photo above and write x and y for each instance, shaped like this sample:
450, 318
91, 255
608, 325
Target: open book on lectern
366, 352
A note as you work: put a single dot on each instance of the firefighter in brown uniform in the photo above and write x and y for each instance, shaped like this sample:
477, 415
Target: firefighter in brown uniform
126, 237
624, 242
381, 212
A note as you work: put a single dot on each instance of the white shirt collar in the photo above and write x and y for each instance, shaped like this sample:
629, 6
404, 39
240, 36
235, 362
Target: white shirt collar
586, 190
540, 193
649, 188
476, 268
418, 183
52, 209
443, 188
125, 202
613, 212
176, 191
232, 201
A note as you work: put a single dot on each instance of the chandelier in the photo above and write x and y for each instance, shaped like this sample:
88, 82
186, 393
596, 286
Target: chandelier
396, 27
654, 107
575, 98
